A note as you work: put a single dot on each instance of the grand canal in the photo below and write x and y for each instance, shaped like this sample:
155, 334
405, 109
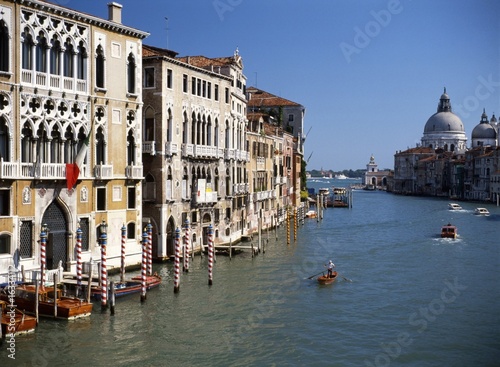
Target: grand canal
406, 297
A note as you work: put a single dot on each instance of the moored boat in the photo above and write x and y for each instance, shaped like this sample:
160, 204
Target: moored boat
449, 231
15, 321
129, 286
67, 308
325, 279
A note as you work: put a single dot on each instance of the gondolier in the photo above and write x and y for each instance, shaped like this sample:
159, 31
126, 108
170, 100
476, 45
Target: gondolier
330, 266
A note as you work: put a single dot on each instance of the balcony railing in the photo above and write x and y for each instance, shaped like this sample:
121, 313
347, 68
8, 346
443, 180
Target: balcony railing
171, 148
187, 150
103, 172
46, 80
42, 171
134, 172
149, 147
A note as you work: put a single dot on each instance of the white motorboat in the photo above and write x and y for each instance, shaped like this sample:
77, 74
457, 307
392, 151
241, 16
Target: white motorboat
481, 211
454, 206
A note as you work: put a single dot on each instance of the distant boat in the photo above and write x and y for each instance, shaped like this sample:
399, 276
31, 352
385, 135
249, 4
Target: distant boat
454, 206
481, 211
341, 176
325, 279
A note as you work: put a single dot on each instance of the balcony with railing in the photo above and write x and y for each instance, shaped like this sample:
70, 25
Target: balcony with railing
149, 147
264, 195
39, 171
240, 188
134, 172
187, 150
52, 81
103, 172
171, 148
229, 154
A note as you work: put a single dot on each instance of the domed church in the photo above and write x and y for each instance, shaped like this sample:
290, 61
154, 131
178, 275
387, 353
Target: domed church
485, 133
444, 129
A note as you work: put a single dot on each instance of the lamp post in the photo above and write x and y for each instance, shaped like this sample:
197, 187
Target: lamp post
43, 255
103, 228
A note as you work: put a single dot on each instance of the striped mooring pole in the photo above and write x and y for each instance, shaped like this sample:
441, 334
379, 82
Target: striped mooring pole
177, 260
104, 271
210, 254
43, 254
79, 267
187, 253
149, 229
144, 264
122, 268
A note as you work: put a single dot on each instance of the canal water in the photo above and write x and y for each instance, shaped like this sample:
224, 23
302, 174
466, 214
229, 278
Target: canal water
405, 297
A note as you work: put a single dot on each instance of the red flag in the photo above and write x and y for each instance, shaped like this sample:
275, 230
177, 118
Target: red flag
73, 169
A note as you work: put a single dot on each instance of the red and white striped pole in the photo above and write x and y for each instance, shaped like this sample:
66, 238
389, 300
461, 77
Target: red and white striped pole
149, 229
122, 269
210, 255
186, 247
78, 259
43, 255
144, 264
177, 259
104, 271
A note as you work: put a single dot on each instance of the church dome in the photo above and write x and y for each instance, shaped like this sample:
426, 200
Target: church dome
444, 120
484, 130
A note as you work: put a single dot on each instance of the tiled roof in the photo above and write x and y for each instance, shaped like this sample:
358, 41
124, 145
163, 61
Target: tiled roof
148, 51
204, 62
260, 98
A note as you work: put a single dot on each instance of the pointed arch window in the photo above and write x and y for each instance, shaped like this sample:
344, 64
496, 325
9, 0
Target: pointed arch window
41, 53
185, 125
81, 62
131, 66
99, 67
55, 56
4, 140
4, 46
169, 184
27, 49
100, 147
149, 125
68, 59
130, 148
169, 125
27, 144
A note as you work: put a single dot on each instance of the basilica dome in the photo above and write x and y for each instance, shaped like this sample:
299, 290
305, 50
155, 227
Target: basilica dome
444, 120
484, 130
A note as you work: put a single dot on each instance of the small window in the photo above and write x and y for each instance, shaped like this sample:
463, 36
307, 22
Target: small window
101, 198
131, 198
4, 244
149, 77
131, 231
4, 202
194, 218
227, 95
193, 85
216, 92
185, 83
169, 79
290, 117
26, 239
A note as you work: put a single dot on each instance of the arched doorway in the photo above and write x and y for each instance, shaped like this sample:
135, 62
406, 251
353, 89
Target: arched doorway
170, 236
57, 242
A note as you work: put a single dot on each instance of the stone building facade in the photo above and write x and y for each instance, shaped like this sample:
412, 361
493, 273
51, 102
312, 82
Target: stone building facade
67, 79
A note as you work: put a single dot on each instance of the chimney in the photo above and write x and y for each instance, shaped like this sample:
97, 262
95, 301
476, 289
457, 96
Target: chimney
115, 12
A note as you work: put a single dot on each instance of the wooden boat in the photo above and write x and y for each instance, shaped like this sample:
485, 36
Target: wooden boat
129, 286
449, 231
311, 214
68, 308
324, 279
15, 321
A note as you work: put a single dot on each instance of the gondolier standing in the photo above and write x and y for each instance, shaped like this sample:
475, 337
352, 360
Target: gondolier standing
330, 266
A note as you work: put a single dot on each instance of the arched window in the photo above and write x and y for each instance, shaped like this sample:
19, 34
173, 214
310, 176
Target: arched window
185, 125
100, 153
209, 131
193, 129
68, 59
99, 67
41, 53
130, 148
149, 124
26, 142
226, 145
131, 73
69, 146
169, 125
55, 56
27, 49
81, 62
4, 140
4, 46
216, 133
131, 231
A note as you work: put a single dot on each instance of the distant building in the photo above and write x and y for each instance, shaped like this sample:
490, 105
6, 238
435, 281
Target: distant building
374, 177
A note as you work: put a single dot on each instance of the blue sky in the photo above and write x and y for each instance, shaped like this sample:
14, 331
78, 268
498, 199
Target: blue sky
369, 73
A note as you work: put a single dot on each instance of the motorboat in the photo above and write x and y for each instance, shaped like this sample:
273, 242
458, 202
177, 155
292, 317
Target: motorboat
454, 206
481, 211
449, 231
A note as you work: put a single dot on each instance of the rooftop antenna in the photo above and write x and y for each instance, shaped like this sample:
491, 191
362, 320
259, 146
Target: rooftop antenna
166, 20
